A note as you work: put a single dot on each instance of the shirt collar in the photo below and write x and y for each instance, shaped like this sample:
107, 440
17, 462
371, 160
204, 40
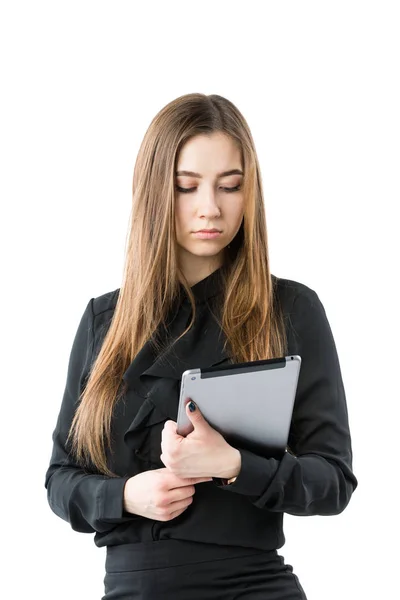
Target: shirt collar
208, 287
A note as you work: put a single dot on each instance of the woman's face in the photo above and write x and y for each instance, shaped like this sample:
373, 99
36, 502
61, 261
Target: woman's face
214, 200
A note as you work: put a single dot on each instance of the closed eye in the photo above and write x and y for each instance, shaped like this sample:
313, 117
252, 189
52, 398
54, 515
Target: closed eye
226, 189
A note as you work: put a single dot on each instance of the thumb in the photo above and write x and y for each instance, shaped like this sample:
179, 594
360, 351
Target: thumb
195, 416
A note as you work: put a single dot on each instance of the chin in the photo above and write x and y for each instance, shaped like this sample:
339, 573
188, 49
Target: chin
209, 251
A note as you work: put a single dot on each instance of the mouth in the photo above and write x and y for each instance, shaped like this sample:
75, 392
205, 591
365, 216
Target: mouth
207, 235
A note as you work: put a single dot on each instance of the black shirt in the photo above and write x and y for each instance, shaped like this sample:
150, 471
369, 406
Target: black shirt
314, 478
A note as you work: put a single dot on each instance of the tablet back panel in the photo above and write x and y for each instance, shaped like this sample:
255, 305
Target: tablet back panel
250, 404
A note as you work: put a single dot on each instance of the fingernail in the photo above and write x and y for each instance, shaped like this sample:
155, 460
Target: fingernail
192, 406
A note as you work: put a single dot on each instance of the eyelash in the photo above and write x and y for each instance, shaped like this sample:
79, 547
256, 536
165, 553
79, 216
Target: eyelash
189, 190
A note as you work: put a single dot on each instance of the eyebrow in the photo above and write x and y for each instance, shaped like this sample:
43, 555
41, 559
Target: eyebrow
224, 174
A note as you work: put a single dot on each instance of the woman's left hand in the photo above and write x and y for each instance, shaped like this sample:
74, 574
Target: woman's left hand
202, 453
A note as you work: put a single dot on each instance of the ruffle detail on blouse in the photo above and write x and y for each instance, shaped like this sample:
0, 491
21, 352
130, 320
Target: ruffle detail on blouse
154, 381
143, 435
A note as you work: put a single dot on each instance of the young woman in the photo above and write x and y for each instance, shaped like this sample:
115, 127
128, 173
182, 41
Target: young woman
196, 518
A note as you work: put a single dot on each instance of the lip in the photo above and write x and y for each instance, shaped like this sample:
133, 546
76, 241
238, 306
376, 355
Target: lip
207, 235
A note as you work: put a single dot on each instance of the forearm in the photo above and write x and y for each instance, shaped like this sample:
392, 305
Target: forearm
300, 485
89, 502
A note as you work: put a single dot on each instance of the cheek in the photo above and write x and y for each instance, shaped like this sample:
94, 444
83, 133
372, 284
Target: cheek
233, 210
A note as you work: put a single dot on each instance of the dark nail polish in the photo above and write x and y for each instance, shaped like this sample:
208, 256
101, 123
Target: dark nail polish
192, 406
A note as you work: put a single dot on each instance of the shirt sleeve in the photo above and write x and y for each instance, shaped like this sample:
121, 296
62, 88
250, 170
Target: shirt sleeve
315, 476
90, 502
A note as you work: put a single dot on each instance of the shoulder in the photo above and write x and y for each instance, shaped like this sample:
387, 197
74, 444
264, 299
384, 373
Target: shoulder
294, 293
103, 307
105, 302
305, 316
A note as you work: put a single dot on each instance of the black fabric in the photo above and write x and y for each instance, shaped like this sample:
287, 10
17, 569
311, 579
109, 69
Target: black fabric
176, 570
314, 478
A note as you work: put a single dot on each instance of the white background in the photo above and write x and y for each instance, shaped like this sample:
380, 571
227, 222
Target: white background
318, 83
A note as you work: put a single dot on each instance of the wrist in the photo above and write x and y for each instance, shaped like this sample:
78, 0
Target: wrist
127, 495
233, 465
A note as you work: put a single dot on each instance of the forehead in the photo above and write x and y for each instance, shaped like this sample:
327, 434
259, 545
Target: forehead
209, 154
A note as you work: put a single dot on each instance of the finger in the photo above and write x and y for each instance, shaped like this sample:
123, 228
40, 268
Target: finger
169, 431
179, 504
170, 426
187, 481
180, 481
180, 494
195, 416
176, 513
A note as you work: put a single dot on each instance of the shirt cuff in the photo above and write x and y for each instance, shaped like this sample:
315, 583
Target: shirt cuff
112, 499
255, 474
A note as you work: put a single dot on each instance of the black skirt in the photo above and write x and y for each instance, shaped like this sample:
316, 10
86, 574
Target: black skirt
183, 570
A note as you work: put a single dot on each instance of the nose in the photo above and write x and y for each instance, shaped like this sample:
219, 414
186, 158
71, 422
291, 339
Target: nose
207, 204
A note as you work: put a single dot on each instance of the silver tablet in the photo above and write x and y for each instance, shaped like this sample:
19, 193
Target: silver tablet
250, 404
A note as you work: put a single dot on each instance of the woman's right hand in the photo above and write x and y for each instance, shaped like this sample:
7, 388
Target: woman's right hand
159, 494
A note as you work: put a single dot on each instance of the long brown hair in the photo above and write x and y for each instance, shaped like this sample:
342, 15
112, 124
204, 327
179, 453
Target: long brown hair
251, 320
